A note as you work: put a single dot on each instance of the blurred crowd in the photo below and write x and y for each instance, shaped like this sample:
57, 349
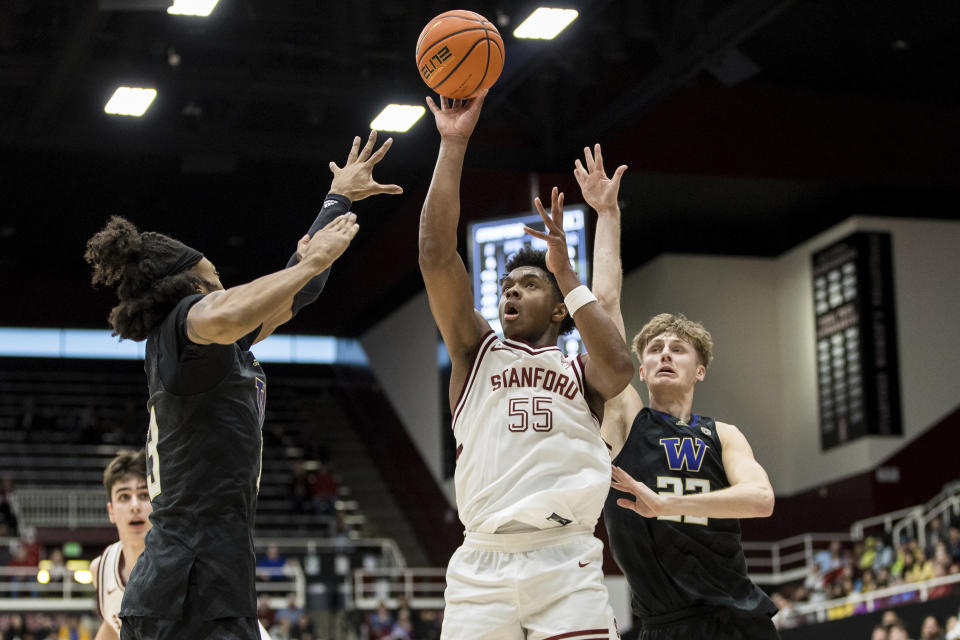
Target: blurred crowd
873, 564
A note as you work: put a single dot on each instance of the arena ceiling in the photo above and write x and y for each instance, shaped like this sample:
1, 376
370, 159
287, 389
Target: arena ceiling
748, 125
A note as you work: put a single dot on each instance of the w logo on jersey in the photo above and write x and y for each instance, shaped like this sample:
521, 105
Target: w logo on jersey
684, 452
261, 398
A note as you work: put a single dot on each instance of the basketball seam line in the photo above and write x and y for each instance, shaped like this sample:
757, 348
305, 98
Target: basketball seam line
464, 59
445, 36
420, 39
486, 68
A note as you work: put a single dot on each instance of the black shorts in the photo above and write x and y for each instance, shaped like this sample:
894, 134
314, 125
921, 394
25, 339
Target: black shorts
719, 624
137, 628
190, 626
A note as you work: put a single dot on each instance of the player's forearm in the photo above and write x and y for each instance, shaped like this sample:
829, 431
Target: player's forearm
235, 312
602, 340
334, 205
441, 209
607, 267
745, 500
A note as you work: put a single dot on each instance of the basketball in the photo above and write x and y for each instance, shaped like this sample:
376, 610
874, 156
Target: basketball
459, 53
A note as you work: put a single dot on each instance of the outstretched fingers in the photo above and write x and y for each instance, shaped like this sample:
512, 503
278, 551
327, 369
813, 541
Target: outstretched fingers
598, 159
354, 150
382, 151
368, 147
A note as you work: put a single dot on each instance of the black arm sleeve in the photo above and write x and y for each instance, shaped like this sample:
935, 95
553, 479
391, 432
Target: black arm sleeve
333, 205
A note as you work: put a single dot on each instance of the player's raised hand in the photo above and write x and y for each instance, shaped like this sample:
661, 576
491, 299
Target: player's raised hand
557, 257
355, 179
457, 118
329, 243
599, 191
646, 502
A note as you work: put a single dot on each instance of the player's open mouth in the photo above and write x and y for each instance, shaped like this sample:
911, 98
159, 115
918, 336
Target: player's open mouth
510, 312
137, 523
667, 370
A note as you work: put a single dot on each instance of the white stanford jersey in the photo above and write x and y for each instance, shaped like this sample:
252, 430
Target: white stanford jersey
529, 452
110, 585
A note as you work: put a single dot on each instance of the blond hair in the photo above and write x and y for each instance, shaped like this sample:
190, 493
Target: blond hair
678, 325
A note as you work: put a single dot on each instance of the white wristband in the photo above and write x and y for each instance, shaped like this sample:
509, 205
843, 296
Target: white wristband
577, 298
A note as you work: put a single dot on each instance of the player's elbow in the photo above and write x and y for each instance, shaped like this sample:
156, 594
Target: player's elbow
432, 252
618, 374
765, 502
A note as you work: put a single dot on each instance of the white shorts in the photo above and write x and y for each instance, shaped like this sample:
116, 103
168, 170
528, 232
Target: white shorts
543, 585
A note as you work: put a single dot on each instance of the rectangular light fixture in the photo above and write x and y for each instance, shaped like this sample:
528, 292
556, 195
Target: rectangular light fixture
545, 24
130, 101
201, 8
397, 117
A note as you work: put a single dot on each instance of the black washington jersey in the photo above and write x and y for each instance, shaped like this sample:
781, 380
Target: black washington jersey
203, 471
678, 562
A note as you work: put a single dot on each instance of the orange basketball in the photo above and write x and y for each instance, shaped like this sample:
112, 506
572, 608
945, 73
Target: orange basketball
459, 53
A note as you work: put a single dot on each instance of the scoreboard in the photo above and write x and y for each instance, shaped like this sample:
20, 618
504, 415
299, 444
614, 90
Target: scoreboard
856, 347
492, 242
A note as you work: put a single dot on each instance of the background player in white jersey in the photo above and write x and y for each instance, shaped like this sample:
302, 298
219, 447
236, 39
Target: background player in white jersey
128, 506
532, 472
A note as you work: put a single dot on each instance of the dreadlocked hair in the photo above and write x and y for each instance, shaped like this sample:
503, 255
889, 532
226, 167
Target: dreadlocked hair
528, 257
138, 261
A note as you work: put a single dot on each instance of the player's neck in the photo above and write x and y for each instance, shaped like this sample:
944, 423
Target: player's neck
548, 339
131, 552
676, 406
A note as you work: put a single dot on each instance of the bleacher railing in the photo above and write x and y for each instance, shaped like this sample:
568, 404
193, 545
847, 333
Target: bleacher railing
21, 592
57, 507
857, 603
422, 588
774, 563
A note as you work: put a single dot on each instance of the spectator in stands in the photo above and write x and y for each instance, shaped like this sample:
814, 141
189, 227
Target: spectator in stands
300, 500
930, 630
58, 567
890, 618
403, 627
953, 542
303, 629
940, 591
16, 629
879, 633
869, 554
291, 613
898, 632
24, 558
403, 608
281, 630
323, 489
952, 628
428, 625
935, 533
867, 582
899, 562
379, 623
922, 567
885, 554
272, 566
